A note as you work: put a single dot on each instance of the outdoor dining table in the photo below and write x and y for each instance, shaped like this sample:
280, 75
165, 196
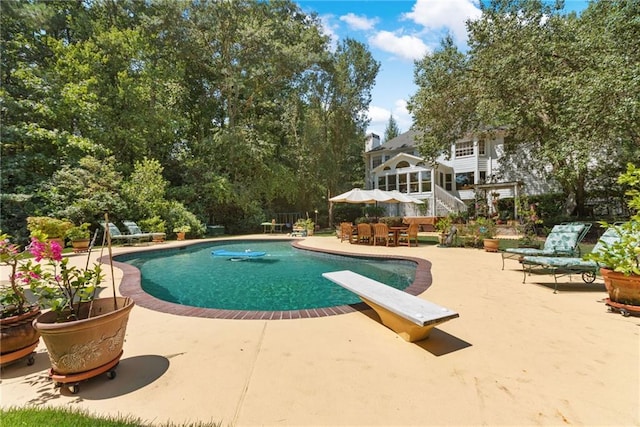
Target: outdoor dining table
396, 233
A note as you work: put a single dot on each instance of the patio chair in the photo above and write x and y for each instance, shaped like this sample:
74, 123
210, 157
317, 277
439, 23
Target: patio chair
348, 233
136, 231
405, 237
563, 240
560, 266
364, 233
382, 234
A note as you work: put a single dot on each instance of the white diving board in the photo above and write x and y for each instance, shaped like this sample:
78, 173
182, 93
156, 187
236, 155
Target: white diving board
410, 317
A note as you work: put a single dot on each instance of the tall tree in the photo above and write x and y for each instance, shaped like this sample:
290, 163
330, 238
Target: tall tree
392, 130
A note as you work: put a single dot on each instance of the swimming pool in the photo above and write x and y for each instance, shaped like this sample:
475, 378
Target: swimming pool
285, 279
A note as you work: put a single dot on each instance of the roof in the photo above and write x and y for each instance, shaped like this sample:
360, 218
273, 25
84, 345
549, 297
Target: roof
406, 139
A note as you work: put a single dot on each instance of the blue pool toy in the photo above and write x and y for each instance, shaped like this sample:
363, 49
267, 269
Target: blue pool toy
238, 254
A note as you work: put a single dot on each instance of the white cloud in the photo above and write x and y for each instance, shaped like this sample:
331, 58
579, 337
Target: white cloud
406, 47
329, 29
380, 117
449, 14
356, 22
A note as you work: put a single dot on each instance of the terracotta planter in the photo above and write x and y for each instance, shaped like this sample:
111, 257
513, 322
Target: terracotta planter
622, 289
17, 332
157, 237
180, 235
491, 245
82, 345
80, 245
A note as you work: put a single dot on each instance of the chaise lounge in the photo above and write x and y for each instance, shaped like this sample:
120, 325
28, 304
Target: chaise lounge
560, 266
563, 240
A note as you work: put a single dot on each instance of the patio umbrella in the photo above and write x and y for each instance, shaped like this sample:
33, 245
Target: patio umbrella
358, 195
404, 198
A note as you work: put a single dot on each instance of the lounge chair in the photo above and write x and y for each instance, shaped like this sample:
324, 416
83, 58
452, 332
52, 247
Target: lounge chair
382, 234
405, 237
118, 237
560, 266
563, 240
137, 231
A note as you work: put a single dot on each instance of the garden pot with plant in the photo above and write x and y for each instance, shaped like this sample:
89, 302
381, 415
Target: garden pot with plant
620, 260
181, 231
53, 228
156, 226
18, 337
483, 231
79, 236
81, 333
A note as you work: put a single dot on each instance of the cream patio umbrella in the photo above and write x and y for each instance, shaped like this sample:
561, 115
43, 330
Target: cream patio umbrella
357, 195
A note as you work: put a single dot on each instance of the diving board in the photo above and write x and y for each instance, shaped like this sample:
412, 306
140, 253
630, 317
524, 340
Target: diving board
238, 254
410, 317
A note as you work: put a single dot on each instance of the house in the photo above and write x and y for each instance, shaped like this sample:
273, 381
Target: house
472, 173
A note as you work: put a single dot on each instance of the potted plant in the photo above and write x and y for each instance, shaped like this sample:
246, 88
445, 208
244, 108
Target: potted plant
53, 228
620, 260
156, 226
79, 236
181, 230
81, 333
482, 232
18, 337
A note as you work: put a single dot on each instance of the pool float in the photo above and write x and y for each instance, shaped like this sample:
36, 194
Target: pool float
238, 254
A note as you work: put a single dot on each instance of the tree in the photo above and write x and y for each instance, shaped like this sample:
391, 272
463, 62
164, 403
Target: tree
561, 86
392, 130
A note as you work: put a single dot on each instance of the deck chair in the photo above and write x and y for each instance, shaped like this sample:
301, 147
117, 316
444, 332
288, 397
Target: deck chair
560, 266
364, 233
563, 240
382, 234
136, 231
405, 237
118, 237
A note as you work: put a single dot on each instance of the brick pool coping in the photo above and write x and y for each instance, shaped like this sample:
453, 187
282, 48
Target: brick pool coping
130, 286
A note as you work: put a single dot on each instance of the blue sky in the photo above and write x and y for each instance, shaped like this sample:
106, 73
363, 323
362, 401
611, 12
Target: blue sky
398, 32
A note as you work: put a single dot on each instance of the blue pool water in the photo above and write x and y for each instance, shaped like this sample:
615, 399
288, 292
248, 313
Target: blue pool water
284, 279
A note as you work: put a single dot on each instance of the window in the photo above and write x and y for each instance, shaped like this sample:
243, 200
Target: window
376, 161
448, 182
483, 177
402, 164
391, 182
402, 183
426, 181
481, 148
464, 148
413, 182
382, 183
464, 180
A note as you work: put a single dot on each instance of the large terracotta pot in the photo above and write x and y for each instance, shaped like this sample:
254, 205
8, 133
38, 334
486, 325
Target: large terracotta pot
80, 245
17, 332
622, 289
180, 235
82, 345
491, 245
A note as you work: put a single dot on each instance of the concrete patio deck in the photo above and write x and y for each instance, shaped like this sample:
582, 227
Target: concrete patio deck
518, 355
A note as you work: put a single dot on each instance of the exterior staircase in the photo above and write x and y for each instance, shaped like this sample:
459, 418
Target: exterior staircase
446, 203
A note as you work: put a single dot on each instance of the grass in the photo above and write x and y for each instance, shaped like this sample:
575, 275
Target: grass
59, 417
